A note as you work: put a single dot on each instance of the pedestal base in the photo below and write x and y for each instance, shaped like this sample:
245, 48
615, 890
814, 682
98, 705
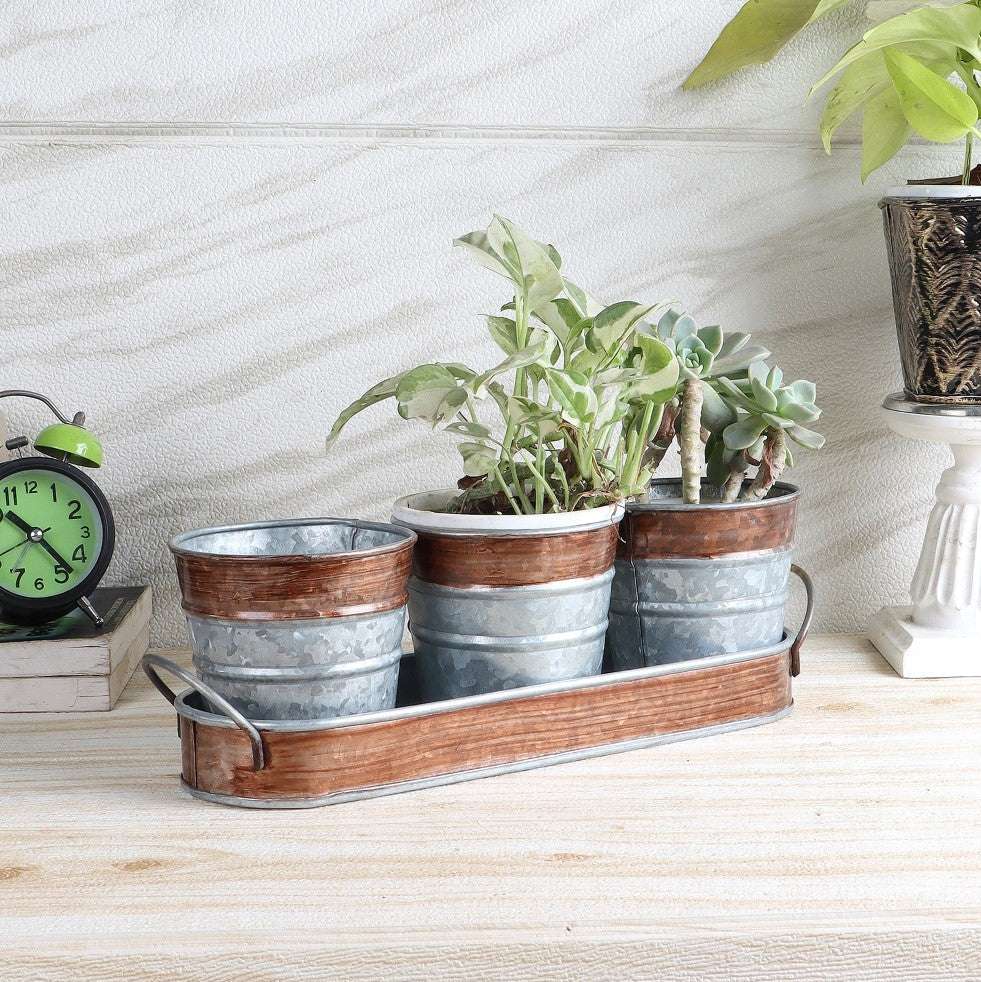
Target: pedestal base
924, 652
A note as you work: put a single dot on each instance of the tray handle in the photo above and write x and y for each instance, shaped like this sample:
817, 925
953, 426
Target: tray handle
805, 624
153, 662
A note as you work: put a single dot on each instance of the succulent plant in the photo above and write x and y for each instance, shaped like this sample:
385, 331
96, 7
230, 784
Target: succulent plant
767, 412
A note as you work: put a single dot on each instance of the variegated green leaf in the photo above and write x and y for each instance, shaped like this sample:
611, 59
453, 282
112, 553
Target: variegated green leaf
584, 303
535, 274
527, 412
478, 460
478, 246
429, 392
561, 317
613, 325
572, 391
504, 331
659, 371
377, 393
465, 427
520, 359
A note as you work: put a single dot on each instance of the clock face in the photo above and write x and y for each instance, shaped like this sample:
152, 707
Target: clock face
51, 533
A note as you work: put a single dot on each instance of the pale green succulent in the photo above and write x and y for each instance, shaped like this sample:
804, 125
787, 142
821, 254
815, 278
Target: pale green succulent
695, 348
762, 403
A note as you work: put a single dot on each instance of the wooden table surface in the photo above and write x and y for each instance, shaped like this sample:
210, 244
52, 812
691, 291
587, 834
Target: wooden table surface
843, 842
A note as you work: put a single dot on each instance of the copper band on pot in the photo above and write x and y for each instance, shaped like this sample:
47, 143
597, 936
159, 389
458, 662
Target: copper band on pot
513, 560
294, 587
708, 532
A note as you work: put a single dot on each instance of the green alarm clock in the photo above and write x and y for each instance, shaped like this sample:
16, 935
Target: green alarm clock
56, 528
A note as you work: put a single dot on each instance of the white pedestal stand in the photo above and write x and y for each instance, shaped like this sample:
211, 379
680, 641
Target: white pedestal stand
939, 635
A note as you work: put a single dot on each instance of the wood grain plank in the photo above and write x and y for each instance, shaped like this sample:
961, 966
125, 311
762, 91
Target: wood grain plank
843, 842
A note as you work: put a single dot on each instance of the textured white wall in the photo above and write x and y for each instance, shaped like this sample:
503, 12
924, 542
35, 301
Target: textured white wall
221, 221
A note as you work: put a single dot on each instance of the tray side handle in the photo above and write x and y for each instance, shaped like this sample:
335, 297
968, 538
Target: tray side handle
151, 663
805, 624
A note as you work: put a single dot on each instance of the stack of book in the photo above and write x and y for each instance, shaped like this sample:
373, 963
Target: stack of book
70, 665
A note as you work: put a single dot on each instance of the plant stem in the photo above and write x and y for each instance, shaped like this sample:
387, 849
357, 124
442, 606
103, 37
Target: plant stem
734, 482
774, 461
542, 483
563, 480
637, 443
504, 488
539, 479
521, 336
968, 148
520, 489
690, 441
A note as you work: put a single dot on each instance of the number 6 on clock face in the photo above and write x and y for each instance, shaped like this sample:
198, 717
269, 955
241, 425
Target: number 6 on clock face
56, 538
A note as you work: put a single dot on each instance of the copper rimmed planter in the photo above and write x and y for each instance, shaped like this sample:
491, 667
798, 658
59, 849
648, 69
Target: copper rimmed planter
298, 619
933, 235
694, 581
498, 602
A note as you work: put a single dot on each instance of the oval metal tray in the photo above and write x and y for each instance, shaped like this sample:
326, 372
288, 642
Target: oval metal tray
308, 763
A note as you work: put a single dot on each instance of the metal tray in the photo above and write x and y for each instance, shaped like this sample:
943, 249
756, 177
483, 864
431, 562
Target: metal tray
309, 763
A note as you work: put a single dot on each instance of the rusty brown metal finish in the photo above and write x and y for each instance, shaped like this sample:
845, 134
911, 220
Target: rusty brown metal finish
706, 533
310, 764
294, 587
513, 560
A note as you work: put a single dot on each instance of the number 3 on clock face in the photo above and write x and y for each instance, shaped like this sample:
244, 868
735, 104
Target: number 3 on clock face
56, 538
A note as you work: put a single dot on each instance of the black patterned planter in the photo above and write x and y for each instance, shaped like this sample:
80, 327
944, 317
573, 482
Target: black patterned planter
933, 234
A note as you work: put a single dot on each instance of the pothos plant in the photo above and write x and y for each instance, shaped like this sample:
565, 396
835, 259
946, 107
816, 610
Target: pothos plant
915, 71
588, 398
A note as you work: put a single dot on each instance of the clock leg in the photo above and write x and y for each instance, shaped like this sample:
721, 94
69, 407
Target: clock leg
85, 605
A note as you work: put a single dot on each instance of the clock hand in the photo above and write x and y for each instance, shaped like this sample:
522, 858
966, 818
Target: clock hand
20, 555
19, 522
16, 544
55, 554
37, 535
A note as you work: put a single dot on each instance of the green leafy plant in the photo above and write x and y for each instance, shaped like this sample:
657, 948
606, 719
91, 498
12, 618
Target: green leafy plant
915, 71
588, 398
586, 394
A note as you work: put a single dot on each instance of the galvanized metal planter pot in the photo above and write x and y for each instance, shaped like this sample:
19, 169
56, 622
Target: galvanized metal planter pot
297, 619
933, 234
497, 602
695, 580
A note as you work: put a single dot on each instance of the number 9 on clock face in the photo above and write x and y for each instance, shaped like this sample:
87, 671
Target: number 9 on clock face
56, 538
